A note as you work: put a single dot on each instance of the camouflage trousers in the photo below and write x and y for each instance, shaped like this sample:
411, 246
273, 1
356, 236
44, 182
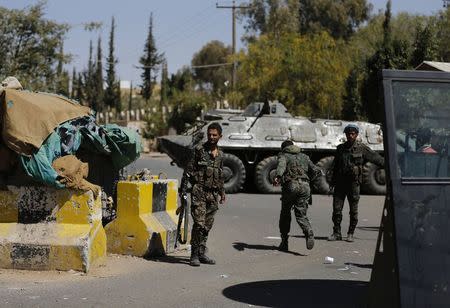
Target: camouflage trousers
298, 202
204, 206
345, 188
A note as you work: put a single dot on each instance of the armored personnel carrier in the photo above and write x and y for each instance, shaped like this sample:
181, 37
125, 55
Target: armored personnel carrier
252, 139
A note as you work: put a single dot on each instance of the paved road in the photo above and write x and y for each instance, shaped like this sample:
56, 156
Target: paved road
250, 271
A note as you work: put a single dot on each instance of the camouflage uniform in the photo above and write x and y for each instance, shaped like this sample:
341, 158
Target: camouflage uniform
205, 174
347, 177
295, 170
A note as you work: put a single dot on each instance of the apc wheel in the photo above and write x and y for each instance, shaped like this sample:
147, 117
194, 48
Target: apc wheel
373, 179
322, 184
265, 173
233, 173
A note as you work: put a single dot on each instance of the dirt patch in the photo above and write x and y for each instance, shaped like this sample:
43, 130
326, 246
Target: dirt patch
116, 265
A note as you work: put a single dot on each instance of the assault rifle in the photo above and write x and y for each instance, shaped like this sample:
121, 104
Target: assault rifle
182, 212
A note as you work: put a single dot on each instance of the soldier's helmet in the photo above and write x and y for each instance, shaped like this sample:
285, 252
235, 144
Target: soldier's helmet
351, 127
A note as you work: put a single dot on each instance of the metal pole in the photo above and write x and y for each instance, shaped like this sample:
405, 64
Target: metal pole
233, 81
233, 21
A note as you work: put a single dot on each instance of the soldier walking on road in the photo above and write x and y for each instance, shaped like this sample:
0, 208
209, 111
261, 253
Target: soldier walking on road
205, 173
347, 176
294, 171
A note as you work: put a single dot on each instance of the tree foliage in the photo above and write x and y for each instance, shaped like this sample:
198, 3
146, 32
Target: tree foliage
150, 62
212, 78
306, 73
30, 46
392, 54
270, 17
112, 91
340, 18
187, 107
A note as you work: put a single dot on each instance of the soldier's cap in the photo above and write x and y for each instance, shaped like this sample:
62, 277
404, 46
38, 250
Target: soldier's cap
286, 143
351, 127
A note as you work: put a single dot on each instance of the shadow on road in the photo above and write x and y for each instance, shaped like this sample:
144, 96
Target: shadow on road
300, 293
169, 259
320, 238
359, 265
242, 246
369, 228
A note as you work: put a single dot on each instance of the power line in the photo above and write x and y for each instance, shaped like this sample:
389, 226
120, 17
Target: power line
211, 65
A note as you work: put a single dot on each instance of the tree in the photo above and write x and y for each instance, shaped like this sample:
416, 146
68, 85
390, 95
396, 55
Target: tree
306, 73
89, 81
98, 78
30, 45
111, 95
339, 18
164, 84
392, 54
443, 33
181, 81
79, 90
351, 109
270, 16
425, 47
187, 108
150, 61
62, 76
74, 83
212, 78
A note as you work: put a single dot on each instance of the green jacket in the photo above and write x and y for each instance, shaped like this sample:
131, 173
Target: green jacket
206, 170
293, 165
350, 158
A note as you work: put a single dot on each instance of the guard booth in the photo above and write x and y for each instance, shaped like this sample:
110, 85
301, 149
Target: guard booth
412, 260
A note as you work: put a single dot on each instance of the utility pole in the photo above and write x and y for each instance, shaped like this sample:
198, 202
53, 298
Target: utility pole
233, 16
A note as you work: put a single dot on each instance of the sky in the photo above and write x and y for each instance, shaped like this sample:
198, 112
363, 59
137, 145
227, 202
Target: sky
180, 27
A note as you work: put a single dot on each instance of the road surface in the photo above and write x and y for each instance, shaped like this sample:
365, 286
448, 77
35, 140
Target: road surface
250, 271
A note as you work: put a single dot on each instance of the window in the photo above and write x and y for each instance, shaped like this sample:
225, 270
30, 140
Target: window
422, 123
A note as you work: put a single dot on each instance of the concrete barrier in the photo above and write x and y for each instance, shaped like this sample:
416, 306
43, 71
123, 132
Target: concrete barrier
146, 221
43, 228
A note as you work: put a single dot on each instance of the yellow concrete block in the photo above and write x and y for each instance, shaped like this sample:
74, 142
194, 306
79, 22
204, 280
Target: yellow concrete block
56, 229
134, 198
146, 219
8, 206
77, 207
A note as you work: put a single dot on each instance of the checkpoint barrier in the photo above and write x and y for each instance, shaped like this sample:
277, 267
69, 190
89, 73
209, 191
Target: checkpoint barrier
43, 228
146, 221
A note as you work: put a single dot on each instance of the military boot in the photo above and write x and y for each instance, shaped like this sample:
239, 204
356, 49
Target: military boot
309, 237
284, 243
336, 236
203, 258
350, 238
194, 261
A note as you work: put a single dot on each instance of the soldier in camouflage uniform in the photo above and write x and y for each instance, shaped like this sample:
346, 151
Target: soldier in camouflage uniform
205, 173
349, 159
294, 171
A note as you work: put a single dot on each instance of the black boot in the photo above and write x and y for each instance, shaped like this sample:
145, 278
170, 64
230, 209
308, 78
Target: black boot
336, 236
284, 243
350, 238
194, 257
203, 258
309, 240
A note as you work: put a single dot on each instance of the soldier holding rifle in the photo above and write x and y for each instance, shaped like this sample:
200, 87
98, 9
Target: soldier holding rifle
205, 173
